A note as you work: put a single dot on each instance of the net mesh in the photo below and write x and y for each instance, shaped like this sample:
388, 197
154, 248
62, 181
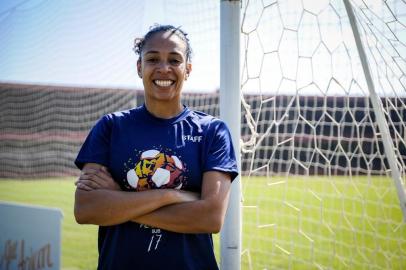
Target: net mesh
43, 127
316, 187
325, 199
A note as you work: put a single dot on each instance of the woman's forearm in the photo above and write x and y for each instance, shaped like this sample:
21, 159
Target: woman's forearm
109, 207
191, 217
202, 216
99, 200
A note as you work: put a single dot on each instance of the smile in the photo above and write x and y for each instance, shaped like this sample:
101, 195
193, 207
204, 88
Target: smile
163, 83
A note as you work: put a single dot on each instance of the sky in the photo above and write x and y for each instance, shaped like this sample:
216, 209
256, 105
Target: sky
89, 43
290, 46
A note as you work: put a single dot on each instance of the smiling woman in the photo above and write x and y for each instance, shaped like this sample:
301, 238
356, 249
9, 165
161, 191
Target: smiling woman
163, 64
156, 178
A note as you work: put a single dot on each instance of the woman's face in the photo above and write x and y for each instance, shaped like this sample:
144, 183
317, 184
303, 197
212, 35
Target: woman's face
163, 67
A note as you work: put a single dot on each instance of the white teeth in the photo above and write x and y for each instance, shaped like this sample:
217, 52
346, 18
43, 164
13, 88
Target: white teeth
163, 83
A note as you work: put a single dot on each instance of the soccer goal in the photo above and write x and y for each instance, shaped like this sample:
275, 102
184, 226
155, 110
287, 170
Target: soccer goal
323, 133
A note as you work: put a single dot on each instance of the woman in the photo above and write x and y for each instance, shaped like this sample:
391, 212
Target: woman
156, 178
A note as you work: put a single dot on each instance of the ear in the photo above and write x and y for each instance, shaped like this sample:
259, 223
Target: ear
188, 70
139, 70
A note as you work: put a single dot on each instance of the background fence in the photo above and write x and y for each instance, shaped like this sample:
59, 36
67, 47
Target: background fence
42, 128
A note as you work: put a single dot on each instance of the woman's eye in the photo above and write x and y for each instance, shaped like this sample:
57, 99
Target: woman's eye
175, 61
152, 60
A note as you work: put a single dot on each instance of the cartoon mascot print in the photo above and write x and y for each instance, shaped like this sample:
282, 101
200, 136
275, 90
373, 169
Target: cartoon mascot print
156, 170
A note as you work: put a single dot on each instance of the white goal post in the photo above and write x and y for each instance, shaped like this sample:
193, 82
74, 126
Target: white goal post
230, 112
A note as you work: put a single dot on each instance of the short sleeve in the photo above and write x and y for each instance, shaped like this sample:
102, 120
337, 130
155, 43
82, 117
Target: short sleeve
219, 152
96, 148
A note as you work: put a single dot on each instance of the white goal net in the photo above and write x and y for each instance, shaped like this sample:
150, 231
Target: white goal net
317, 185
319, 192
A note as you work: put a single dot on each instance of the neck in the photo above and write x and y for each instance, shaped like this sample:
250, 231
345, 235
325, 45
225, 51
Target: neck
163, 109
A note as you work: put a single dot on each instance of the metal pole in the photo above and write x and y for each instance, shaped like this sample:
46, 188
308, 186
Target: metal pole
230, 112
380, 117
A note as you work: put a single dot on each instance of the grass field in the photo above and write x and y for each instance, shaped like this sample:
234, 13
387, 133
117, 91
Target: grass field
295, 223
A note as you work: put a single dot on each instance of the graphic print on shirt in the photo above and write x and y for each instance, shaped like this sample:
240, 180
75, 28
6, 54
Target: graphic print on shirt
156, 237
156, 169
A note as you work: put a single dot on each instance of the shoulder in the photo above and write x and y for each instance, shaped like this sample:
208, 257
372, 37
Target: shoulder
119, 116
206, 120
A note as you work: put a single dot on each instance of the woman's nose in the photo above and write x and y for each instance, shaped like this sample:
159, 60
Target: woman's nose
164, 66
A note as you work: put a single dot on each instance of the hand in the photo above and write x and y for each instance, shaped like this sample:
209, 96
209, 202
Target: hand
96, 178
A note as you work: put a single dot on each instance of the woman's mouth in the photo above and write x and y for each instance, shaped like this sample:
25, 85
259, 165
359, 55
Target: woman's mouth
163, 83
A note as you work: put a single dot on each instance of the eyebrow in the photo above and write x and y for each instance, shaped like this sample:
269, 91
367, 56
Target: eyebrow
154, 52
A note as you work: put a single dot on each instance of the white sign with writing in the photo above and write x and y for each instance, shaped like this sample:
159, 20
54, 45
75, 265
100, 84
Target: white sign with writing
30, 237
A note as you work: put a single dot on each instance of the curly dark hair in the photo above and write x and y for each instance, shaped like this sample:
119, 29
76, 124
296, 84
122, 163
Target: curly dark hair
139, 43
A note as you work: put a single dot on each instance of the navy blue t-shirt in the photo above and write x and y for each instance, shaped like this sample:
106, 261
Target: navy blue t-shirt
144, 152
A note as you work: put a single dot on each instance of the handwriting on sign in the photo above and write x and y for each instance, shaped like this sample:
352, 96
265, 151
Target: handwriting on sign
34, 260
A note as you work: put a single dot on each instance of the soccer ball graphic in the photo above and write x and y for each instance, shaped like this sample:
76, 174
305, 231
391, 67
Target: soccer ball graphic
156, 170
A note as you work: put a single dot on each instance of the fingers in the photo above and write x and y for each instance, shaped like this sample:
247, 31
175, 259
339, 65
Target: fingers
84, 185
96, 178
99, 175
111, 184
104, 169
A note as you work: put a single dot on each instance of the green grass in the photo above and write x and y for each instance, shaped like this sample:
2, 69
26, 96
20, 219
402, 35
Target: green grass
322, 223
295, 223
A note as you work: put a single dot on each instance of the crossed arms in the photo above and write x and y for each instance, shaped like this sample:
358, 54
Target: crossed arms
99, 200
